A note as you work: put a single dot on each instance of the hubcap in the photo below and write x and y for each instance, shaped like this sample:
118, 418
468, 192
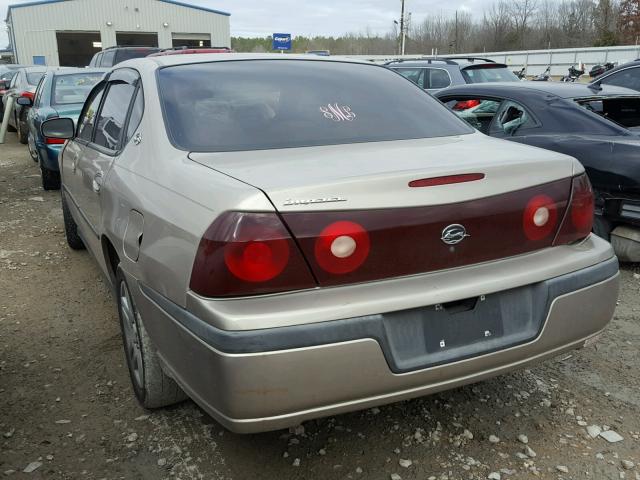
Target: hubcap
131, 335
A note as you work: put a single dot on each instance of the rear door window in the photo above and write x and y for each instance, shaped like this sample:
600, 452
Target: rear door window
87, 120
511, 118
113, 115
437, 78
265, 104
416, 75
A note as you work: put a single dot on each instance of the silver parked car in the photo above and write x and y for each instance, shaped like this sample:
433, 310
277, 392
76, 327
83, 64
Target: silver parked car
300, 237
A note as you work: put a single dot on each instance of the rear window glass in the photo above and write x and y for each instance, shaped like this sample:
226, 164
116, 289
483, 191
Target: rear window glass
489, 74
68, 89
264, 104
33, 78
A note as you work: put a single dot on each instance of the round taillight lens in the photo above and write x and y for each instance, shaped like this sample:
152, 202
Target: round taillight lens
540, 217
257, 261
342, 247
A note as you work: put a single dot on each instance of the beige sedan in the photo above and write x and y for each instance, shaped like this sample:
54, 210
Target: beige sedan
290, 237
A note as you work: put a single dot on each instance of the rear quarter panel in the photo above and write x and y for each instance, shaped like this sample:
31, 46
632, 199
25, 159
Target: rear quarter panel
177, 197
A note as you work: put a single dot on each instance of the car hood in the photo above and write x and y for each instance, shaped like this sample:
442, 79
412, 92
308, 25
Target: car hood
376, 175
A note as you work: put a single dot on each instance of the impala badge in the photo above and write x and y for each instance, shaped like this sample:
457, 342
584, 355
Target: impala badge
454, 234
289, 202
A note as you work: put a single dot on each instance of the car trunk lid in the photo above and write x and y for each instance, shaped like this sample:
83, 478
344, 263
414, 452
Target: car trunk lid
356, 218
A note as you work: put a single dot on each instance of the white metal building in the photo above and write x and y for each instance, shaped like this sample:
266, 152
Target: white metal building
70, 32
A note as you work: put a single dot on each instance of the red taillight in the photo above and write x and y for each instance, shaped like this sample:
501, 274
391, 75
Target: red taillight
342, 247
466, 104
28, 94
540, 217
578, 221
54, 141
248, 254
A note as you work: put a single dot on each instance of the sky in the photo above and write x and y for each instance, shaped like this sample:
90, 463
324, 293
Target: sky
306, 17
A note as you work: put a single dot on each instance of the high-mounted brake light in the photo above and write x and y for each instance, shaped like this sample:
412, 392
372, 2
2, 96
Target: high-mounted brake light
578, 221
246, 254
446, 180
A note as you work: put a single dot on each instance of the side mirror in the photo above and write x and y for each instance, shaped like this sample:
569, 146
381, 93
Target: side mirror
24, 101
4, 84
62, 128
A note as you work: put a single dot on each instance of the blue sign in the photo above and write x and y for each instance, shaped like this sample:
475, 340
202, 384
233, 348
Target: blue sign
281, 41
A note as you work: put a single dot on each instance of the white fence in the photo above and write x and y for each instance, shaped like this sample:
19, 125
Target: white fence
536, 61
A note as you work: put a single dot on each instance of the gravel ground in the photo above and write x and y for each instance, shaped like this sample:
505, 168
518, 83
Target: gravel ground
67, 410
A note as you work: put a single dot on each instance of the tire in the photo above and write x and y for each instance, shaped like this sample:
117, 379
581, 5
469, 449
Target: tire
50, 179
152, 387
34, 154
602, 227
22, 130
71, 228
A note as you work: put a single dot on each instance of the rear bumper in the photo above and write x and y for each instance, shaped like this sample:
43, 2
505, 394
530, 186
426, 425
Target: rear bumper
273, 378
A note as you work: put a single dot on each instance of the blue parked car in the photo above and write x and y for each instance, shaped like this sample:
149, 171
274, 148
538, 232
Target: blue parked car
60, 93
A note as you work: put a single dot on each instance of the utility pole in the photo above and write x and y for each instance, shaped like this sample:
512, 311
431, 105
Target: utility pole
402, 29
455, 44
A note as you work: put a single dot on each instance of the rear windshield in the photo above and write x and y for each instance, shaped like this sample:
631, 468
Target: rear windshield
624, 111
264, 104
68, 89
489, 73
33, 78
129, 53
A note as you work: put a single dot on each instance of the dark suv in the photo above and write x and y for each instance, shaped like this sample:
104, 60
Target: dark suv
434, 74
113, 55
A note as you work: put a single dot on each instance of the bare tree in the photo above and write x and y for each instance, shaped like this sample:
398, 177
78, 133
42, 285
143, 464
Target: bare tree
522, 12
630, 21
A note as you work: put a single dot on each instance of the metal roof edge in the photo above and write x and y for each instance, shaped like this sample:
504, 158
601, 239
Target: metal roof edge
173, 2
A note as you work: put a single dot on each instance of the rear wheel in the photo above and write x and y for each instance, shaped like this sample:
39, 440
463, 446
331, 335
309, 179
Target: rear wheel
50, 179
71, 228
152, 387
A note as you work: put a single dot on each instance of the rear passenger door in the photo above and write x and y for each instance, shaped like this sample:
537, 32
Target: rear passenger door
108, 140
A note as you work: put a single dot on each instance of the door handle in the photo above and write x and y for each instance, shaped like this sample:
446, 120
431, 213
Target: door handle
97, 182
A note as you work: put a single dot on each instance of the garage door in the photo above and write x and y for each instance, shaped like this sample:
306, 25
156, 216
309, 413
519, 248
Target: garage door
137, 39
75, 49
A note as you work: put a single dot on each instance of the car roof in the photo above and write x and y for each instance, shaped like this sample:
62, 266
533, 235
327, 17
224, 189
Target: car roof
635, 63
559, 89
171, 60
